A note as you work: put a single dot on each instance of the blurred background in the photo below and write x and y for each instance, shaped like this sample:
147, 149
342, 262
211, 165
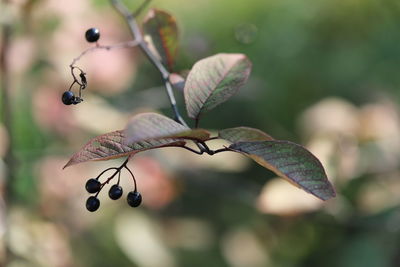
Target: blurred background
325, 75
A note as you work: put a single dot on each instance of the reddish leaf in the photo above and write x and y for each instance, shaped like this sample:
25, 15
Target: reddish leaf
290, 161
161, 27
149, 126
214, 80
241, 134
112, 145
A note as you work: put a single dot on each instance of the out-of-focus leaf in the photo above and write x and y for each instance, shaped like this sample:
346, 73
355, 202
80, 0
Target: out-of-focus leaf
213, 80
149, 126
161, 27
290, 161
112, 145
242, 134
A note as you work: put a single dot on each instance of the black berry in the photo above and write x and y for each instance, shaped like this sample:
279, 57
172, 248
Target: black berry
115, 192
68, 98
92, 35
93, 186
134, 198
92, 203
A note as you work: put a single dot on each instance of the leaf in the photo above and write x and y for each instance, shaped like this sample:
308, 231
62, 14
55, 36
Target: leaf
290, 161
161, 28
241, 134
214, 80
112, 145
149, 126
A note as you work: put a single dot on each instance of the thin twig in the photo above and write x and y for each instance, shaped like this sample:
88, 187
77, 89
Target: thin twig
192, 150
117, 171
137, 35
129, 44
133, 177
222, 150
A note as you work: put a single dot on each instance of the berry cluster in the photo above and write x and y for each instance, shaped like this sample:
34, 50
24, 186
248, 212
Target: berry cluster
92, 35
94, 186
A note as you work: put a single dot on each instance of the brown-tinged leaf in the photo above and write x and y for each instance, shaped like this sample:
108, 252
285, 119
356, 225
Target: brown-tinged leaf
290, 161
149, 126
242, 134
214, 80
112, 145
161, 27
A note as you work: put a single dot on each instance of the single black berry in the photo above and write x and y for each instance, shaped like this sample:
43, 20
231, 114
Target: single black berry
134, 198
93, 186
92, 35
68, 98
115, 192
92, 203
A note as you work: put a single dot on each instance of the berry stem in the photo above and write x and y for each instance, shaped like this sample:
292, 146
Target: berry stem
128, 44
115, 168
119, 178
133, 176
192, 150
221, 150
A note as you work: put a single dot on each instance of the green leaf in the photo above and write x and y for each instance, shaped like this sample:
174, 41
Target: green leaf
290, 161
214, 80
149, 126
241, 134
160, 27
112, 145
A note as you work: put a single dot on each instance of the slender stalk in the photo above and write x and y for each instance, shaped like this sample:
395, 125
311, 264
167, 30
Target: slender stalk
117, 171
138, 36
133, 177
129, 44
221, 150
192, 150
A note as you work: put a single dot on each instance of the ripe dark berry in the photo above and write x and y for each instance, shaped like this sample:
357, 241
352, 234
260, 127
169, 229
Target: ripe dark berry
92, 35
68, 98
92, 203
115, 192
93, 186
134, 198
